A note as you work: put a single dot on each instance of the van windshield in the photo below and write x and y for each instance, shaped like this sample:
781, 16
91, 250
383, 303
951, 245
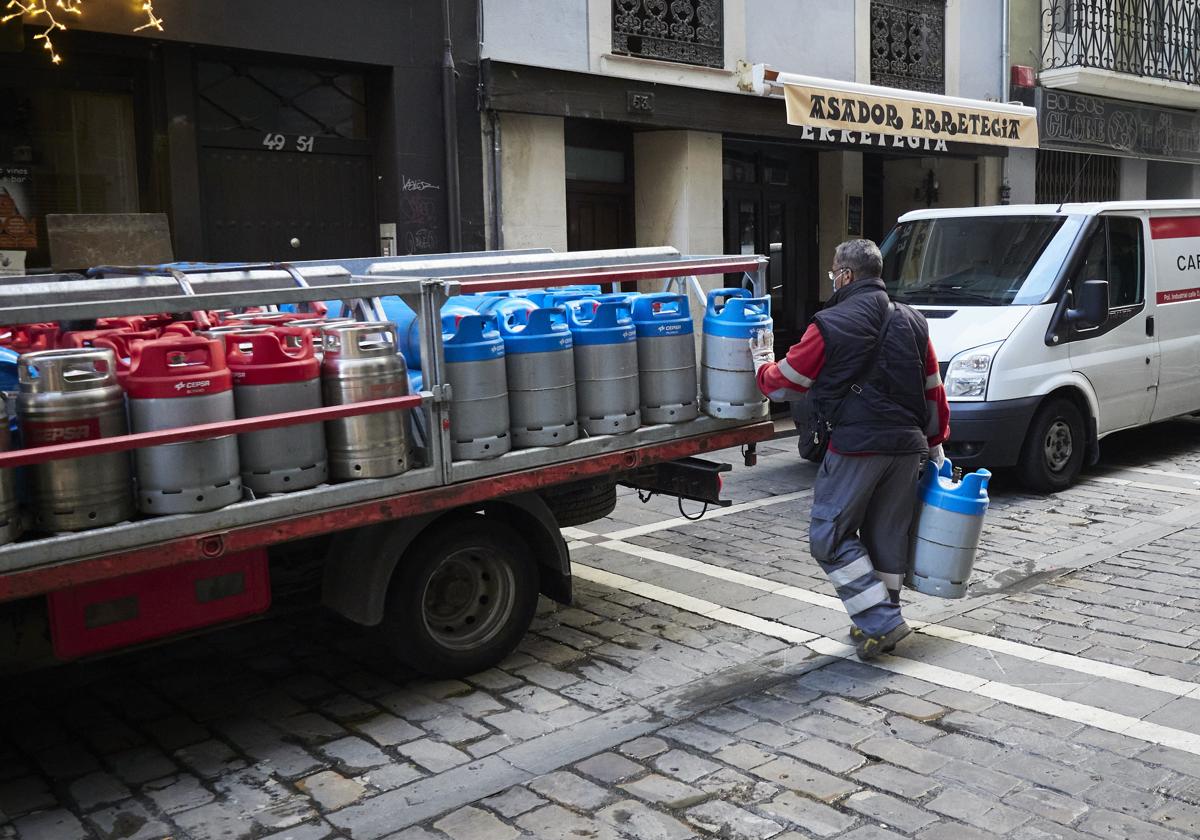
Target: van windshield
971, 260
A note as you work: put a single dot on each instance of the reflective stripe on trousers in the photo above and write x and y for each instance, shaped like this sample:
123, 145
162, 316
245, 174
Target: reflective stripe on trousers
862, 513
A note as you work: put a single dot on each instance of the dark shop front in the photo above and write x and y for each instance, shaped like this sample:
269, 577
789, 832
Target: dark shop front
260, 132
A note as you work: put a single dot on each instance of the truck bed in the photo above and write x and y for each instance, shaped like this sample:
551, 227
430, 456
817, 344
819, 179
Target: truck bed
37, 566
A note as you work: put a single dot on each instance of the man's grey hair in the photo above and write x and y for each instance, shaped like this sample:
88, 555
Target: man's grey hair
860, 256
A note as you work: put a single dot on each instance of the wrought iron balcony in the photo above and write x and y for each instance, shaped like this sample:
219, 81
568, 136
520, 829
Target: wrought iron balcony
685, 31
908, 44
1154, 39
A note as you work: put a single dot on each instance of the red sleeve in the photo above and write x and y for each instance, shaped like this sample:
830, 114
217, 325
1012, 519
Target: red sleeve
937, 428
794, 374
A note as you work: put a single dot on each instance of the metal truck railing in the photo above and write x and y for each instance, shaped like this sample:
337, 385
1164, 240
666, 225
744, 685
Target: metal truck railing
40, 565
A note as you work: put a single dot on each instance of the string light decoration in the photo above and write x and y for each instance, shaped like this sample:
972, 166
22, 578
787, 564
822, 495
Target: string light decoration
53, 12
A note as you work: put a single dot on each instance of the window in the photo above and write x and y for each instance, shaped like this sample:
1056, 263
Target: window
1114, 253
686, 31
982, 260
290, 100
62, 151
908, 44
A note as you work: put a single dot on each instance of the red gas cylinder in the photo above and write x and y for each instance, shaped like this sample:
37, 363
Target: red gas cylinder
275, 372
88, 338
122, 344
27, 338
277, 319
179, 328
176, 382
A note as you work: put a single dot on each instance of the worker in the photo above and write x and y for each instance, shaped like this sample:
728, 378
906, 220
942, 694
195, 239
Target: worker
874, 379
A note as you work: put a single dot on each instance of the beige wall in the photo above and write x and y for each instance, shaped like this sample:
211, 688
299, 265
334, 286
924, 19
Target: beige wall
677, 196
1025, 32
533, 182
839, 175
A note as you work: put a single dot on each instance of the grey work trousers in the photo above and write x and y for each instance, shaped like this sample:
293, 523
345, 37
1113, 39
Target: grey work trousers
862, 514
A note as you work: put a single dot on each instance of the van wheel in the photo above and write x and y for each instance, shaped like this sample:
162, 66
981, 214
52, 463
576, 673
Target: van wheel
461, 598
1054, 447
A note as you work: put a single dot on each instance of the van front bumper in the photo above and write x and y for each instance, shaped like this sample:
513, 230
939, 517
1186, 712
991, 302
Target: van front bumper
989, 434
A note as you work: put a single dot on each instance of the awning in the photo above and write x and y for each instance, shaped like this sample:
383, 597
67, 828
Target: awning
834, 105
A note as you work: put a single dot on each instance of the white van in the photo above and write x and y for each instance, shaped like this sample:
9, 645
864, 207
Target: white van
1055, 325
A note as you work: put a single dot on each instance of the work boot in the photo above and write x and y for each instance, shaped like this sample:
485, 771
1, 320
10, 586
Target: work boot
857, 635
870, 647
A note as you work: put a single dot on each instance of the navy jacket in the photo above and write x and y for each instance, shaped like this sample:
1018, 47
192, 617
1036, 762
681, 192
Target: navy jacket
890, 415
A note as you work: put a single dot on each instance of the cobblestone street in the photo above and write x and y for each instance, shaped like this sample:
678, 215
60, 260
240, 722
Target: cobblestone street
700, 686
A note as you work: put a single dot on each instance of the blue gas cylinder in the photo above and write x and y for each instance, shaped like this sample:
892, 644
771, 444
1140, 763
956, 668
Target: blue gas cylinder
475, 371
8, 369
949, 522
8, 381
508, 307
408, 335
548, 296
408, 328
415, 380
728, 389
565, 296
666, 358
626, 297
540, 361
606, 366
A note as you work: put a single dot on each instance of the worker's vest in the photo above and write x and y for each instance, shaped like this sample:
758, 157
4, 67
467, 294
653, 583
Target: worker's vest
890, 414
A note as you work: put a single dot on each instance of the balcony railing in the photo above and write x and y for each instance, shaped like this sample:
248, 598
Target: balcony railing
686, 31
1157, 39
908, 44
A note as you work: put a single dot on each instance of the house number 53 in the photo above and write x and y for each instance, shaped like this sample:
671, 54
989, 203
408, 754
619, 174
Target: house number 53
277, 142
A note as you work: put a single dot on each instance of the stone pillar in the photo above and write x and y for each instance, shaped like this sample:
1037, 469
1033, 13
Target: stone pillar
1133, 179
839, 175
533, 182
989, 174
677, 197
1021, 171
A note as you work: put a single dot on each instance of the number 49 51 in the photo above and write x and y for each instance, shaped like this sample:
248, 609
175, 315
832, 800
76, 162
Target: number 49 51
277, 142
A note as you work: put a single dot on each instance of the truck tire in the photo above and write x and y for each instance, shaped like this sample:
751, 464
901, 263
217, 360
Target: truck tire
461, 598
578, 504
1054, 448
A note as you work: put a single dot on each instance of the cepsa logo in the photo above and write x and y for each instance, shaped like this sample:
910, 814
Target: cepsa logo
68, 431
193, 386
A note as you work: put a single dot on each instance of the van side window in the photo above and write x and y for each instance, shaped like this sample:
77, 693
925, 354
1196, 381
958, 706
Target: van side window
1125, 286
1114, 253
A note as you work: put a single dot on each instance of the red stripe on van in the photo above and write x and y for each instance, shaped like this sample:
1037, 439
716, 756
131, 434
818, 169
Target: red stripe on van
1179, 295
1175, 227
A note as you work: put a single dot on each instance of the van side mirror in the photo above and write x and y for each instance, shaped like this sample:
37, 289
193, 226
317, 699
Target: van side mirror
1093, 305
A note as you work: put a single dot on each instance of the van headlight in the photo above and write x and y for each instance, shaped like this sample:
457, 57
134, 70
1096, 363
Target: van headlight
967, 376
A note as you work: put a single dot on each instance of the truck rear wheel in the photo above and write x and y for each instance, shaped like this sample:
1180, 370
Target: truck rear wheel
461, 598
1054, 447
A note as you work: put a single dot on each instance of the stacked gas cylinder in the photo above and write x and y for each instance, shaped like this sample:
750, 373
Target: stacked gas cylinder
545, 368
146, 374
539, 369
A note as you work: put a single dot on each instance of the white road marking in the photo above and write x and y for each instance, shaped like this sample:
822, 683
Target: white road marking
1144, 485
1067, 661
654, 527
1167, 473
1032, 653
720, 572
694, 605
1013, 695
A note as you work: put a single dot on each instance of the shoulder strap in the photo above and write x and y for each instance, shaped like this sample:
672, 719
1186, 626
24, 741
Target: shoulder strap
869, 366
